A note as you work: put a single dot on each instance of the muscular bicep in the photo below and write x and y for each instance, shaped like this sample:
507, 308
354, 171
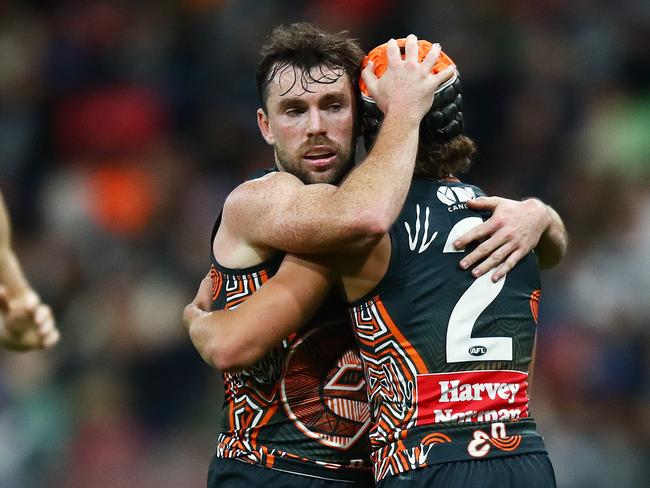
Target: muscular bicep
280, 212
281, 306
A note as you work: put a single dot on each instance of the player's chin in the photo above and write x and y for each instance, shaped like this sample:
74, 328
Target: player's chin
335, 174
330, 176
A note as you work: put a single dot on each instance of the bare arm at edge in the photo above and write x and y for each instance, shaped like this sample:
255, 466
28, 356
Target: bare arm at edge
25, 322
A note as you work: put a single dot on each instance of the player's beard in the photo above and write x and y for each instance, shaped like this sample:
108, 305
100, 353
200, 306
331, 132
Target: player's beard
292, 163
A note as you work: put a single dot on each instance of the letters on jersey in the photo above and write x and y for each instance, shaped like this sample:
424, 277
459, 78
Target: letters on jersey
446, 356
472, 396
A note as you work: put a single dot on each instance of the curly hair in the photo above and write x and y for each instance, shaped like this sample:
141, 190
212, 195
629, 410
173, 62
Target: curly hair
301, 47
439, 160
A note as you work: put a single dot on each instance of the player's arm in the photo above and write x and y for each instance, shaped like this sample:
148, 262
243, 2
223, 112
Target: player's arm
11, 274
25, 322
553, 243
232, 340
278, 211
514, 229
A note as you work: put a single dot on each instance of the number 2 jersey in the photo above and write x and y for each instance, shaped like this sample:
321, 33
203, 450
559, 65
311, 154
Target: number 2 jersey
303, 407
446, 356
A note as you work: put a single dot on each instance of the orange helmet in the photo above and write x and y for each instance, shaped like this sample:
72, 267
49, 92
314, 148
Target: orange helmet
443, 122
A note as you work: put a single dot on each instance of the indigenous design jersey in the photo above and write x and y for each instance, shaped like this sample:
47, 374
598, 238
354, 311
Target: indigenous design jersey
303, 408
445, 355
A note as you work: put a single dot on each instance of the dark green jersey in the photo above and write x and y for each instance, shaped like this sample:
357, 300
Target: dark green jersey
303, 407
445, 355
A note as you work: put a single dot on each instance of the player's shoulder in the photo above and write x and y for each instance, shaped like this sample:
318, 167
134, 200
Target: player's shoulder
256, 194
269, 181
261, 188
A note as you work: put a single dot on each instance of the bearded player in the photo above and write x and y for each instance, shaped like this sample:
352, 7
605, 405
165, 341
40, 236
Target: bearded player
306, 397
276, 430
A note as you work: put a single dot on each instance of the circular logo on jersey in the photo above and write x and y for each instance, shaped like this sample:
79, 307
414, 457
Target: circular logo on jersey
324, 389
446, 195
217, 281
477, 350
452, 195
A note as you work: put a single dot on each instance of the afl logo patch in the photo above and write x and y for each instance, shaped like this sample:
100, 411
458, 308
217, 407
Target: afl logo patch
477, 350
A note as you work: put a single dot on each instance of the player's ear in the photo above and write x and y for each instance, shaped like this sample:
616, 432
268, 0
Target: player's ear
265, 127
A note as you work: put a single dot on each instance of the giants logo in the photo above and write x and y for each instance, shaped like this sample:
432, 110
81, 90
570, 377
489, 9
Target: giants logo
324, 390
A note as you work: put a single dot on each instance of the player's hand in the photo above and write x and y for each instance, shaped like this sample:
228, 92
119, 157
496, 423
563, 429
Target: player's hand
26, 323
510, 233
201, 303
407, 86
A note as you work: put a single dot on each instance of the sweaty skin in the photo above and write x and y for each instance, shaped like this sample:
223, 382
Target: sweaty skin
315, 130
280, 212
513, 229
312, 129
291, 297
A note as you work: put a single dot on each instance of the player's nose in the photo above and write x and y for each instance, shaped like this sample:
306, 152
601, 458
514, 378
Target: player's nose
315, 123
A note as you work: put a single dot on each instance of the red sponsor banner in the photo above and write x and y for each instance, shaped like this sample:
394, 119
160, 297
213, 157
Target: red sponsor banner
471, 396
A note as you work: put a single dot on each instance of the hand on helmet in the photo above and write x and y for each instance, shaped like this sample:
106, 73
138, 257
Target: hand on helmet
408, 85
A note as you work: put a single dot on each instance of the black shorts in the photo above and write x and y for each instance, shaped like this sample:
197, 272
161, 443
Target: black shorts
526, 471
230, 473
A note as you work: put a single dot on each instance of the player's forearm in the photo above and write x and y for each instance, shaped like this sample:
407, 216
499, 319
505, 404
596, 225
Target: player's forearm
11, 274
232, 340
375, 191
366, 204
554, 241
203, 337
228, 352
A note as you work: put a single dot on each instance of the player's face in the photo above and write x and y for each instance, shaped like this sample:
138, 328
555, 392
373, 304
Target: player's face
310, 124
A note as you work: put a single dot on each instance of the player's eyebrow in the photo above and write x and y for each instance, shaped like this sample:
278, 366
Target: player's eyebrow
336, 97
333, 97
286, 103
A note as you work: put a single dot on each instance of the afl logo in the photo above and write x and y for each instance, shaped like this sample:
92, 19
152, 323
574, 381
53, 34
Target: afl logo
477, 350
324, 389
452, 195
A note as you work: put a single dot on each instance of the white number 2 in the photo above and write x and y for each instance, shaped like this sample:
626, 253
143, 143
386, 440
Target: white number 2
461, 346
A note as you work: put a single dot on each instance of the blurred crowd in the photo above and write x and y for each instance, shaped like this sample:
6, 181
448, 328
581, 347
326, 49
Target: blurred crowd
123, 126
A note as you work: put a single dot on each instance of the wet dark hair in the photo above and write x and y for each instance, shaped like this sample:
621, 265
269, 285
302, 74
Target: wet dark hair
303, 46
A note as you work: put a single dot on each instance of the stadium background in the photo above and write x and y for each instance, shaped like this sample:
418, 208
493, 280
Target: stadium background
124, 124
